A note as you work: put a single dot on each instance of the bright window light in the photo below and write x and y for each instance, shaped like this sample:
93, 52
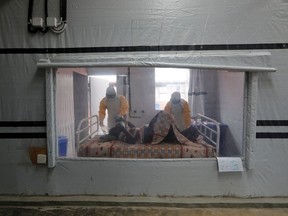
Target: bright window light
171, 75
168, 80
110, 78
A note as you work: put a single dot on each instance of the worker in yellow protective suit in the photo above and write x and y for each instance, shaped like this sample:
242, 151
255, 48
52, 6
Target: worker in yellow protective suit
179, 108
116, 105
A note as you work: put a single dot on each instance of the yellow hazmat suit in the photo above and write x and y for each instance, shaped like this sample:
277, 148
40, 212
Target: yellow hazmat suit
180, 110
116, 105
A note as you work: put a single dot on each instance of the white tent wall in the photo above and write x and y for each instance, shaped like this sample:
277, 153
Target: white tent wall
111, 23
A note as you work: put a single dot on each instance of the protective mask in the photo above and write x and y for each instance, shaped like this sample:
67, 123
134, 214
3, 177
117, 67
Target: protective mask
111, 96
175, 101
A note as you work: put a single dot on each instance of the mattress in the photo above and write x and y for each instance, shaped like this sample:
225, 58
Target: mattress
118, 149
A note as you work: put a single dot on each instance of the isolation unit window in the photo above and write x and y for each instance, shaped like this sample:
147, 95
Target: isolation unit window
220, 92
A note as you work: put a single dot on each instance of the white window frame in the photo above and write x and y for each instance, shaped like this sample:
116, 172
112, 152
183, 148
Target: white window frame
249, 62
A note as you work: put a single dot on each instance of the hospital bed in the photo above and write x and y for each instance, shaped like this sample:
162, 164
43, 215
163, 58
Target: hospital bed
207, 145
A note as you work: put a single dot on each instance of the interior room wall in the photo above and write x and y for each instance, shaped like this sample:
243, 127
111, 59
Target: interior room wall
142, 95
65, 108
81, 104
231, 107
211, 95
97, 93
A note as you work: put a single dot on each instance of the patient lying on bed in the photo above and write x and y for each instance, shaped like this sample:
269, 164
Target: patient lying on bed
162, 128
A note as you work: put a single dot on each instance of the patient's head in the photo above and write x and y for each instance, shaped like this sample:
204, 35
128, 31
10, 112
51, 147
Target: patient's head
175, 97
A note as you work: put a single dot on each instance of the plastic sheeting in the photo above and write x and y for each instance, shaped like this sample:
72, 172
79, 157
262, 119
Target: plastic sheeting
110, 23
233, 61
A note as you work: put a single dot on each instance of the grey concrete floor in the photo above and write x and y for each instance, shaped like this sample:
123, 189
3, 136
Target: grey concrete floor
132, 206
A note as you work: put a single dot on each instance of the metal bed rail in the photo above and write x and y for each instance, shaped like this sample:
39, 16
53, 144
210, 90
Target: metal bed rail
204, 126
92, 120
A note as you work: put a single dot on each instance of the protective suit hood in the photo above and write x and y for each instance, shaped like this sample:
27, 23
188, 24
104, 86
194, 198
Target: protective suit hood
175, 97
110, 92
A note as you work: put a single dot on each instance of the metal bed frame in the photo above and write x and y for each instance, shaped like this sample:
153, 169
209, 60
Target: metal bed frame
93, 120
207, 127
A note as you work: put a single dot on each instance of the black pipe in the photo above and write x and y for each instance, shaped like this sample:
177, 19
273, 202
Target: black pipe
63, 10
45, 29
30, 10
31, 28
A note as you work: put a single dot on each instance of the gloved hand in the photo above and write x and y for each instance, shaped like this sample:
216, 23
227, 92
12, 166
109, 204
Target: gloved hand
117, 118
